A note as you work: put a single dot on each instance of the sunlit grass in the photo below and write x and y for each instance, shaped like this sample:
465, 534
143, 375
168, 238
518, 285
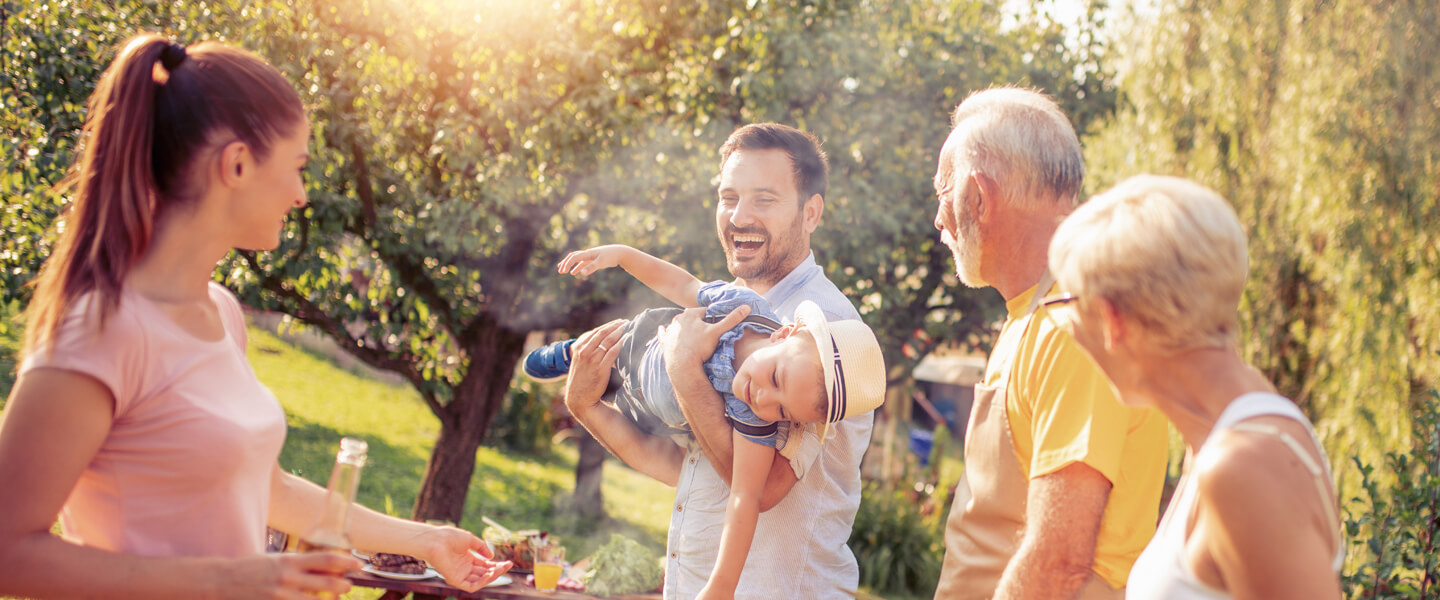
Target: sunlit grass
324, 403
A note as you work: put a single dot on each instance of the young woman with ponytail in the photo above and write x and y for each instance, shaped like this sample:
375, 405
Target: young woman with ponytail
136, 418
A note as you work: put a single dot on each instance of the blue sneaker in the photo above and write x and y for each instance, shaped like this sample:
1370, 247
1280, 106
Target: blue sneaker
549, 363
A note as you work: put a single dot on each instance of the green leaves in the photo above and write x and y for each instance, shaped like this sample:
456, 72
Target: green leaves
897, 549
1303, 115
1395, 531
12, 331
462, 148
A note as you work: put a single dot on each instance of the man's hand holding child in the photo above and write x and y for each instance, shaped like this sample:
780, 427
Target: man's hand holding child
689, 340
591, 357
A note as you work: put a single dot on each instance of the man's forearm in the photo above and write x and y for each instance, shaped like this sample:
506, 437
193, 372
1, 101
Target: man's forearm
704, 412
1062, 525
591, 357
1038, 573
687, 341
717, 441
652, 455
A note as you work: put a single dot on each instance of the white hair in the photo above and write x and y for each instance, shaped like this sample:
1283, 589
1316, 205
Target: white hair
1022, 140
1167, 252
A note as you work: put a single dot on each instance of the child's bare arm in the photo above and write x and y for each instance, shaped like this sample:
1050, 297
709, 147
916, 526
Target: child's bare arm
752, 468
674, 283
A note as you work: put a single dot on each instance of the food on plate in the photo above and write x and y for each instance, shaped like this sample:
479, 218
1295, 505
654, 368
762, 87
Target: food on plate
623, 566
398, 563
512, 546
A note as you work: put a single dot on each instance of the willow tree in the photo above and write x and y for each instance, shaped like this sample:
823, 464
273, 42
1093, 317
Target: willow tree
1319, 121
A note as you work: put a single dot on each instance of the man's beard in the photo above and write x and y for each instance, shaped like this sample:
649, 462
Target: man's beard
966, 251
776, 259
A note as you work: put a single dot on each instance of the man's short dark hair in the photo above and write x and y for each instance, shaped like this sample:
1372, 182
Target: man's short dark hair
811, 168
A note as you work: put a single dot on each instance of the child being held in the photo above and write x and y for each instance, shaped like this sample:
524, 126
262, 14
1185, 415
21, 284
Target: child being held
769, 374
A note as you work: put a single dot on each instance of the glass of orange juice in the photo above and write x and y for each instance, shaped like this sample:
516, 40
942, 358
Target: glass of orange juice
549, 563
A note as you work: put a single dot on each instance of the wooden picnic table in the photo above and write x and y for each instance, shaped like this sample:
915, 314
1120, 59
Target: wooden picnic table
437, 588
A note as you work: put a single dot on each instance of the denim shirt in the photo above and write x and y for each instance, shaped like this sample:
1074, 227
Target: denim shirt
719, 299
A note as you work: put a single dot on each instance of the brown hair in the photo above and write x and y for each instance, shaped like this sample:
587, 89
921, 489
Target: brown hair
810, 166
156, 108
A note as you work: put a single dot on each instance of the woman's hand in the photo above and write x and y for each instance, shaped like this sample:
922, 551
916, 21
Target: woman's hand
462, 559
283, 576
583, 263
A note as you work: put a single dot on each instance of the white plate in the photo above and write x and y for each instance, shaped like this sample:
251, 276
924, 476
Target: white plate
429, 572
501, 580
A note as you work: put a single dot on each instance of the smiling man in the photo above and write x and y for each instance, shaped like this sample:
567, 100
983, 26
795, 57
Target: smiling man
768, 207
771, 199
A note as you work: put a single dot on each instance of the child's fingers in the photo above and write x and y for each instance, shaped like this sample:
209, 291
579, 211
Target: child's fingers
572, 261
585, 268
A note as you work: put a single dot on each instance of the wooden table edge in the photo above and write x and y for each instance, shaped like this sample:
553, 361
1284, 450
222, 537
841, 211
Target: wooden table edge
511, 591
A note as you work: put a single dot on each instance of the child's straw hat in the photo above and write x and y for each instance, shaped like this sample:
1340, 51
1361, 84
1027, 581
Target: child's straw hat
851, 360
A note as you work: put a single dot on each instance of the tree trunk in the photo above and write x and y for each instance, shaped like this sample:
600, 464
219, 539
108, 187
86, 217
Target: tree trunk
465, 420
448, 473
589, 501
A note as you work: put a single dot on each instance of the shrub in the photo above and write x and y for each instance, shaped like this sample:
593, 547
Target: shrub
523, 424
1395, 533
898, 550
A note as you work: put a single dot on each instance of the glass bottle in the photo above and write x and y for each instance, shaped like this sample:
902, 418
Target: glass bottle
332, 532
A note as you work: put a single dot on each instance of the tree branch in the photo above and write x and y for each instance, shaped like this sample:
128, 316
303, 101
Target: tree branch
298, 306
363, 188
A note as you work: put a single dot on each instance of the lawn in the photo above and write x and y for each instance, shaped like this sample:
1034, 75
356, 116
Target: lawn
324, 402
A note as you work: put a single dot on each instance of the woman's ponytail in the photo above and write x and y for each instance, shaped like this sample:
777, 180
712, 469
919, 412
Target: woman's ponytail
108, 225
154, 112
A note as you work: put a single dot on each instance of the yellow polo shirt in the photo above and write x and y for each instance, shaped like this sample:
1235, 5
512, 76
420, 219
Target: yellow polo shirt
1062, 410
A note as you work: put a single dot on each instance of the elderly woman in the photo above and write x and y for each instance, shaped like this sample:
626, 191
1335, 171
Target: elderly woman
1154, 269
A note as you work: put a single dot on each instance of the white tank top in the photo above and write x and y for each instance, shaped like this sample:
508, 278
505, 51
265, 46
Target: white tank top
1161, 573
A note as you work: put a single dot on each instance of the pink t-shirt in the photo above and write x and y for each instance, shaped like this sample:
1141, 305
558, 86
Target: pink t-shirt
186, 467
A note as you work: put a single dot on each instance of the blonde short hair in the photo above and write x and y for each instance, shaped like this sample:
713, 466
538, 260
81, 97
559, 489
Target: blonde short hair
1167, 252
1020, 138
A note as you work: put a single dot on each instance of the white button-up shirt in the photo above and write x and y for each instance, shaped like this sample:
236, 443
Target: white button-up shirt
800, 548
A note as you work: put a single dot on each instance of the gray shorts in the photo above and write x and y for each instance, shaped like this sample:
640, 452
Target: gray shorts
626, 391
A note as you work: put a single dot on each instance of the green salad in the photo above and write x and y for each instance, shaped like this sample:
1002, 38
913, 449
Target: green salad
623, 566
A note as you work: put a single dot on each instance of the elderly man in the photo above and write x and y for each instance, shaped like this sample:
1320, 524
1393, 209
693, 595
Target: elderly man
771, 198
1062, 483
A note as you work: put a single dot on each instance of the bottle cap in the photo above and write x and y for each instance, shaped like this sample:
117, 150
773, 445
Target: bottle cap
353, 451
